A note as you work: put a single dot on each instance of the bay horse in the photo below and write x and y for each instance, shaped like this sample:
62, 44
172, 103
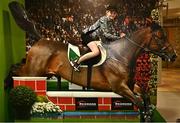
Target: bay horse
48, 56
115, 74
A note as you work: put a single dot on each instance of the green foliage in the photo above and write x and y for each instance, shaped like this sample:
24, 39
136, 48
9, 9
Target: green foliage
42, 99
22, 97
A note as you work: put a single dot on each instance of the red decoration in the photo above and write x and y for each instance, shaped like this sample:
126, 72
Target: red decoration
143, 72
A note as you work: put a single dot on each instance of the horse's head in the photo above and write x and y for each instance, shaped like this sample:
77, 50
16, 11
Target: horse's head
159, 44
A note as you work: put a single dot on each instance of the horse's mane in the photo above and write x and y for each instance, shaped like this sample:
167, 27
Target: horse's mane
139, 34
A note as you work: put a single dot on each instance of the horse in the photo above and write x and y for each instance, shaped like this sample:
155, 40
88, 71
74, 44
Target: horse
48, 56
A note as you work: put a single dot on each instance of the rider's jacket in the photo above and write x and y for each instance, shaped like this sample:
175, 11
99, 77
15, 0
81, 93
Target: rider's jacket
104, 29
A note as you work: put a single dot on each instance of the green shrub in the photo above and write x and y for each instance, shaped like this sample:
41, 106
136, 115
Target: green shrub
42, 99
22, 98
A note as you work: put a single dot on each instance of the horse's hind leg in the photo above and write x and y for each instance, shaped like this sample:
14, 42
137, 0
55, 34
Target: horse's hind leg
53, 65
54, 62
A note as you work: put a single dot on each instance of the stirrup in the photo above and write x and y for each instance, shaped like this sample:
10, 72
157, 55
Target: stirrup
75, 65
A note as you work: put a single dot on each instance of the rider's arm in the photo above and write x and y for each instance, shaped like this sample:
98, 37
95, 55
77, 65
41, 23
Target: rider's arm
106, 31
92, 28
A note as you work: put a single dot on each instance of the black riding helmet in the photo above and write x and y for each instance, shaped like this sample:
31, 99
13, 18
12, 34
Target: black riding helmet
112, 8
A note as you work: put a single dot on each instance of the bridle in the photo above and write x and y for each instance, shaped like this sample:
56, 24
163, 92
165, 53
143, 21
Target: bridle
159, 41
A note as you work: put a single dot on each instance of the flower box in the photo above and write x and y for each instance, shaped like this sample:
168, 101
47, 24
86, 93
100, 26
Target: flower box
46, 110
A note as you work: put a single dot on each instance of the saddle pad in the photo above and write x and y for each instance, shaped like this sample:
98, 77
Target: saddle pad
74, 53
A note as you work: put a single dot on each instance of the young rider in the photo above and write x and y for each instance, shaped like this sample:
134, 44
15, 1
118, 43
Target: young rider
102, 28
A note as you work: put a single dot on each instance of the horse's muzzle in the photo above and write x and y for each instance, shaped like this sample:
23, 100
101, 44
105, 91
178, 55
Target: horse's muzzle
173, 58
169, 58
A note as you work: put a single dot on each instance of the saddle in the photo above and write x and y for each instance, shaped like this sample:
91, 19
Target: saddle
75, 51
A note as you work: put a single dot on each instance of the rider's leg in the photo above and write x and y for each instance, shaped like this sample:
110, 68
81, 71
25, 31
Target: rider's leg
94, 52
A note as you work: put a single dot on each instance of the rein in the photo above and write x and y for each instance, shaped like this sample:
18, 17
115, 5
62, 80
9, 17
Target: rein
145, 49
148, 49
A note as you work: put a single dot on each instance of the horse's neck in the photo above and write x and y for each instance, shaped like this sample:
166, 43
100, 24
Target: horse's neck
126, 51
140, 39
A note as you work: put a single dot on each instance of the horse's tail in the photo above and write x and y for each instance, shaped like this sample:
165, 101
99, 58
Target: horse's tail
21, 18
8, 81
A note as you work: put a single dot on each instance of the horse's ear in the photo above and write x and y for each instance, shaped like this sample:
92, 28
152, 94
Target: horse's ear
155, 26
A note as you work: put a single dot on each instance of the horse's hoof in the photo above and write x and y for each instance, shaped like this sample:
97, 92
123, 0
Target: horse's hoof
51, 73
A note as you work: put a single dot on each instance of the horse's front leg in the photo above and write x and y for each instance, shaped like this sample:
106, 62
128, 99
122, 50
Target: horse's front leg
117, 75
120, 87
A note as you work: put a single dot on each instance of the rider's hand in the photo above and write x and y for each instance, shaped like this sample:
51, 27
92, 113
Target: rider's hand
122, 35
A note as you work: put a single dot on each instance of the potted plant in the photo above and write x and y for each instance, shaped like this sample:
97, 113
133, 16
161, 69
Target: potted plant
22, 98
